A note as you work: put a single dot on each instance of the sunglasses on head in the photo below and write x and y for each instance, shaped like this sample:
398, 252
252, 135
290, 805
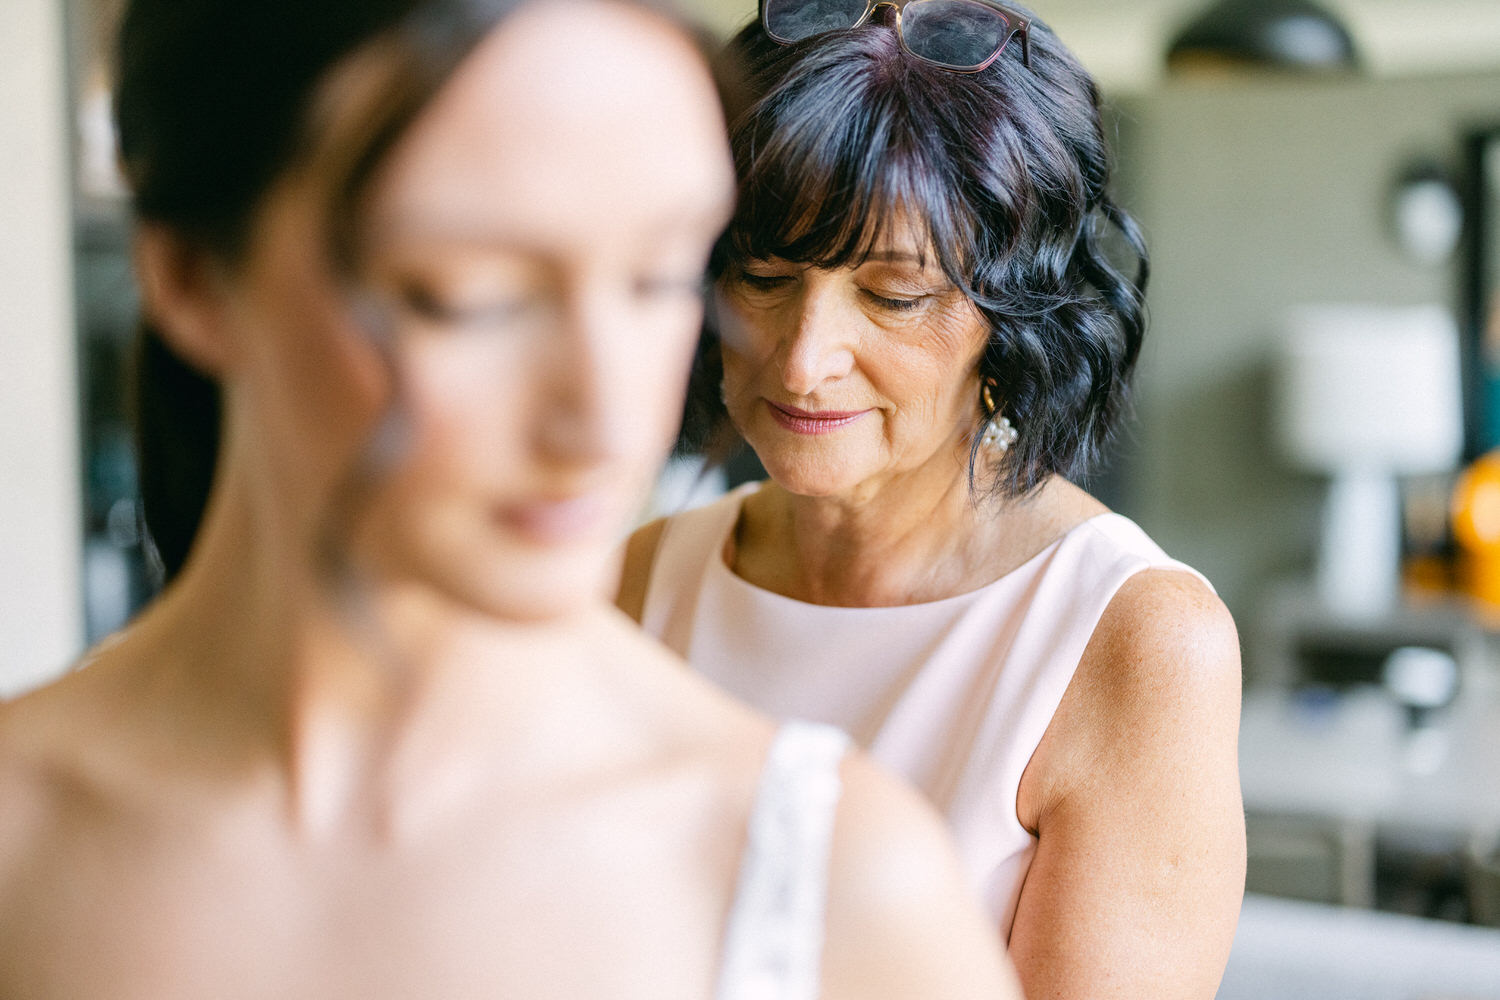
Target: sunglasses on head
961, 35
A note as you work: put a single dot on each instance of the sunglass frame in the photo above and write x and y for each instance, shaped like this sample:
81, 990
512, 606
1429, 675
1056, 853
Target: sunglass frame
1018, 26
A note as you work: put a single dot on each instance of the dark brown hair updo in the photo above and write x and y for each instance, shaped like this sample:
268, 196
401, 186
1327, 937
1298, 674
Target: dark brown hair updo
1007, 169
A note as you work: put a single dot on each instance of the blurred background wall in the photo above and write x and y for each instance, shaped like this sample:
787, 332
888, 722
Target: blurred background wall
40, 501
1258, 195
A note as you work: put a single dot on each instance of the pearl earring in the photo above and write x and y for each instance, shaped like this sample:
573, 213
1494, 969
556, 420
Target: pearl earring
999, 433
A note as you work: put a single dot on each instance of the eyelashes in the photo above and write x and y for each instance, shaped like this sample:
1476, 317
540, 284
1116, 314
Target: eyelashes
765, 282
458, 312
895, 305
771, 283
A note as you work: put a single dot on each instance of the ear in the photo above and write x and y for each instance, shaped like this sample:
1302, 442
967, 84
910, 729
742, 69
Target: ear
183, 295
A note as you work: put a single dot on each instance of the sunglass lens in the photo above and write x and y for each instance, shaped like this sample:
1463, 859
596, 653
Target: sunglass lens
794, 20
958, 34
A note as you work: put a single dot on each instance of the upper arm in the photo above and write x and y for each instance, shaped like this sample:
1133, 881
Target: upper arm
1136, 884
901, 920
635, 574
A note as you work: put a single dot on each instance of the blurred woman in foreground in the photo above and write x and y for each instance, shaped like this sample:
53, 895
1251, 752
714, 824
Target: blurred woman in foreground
421, 300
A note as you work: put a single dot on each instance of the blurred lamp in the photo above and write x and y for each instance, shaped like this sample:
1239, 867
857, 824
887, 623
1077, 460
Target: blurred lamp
1366, 394
1426, 213
1282, 34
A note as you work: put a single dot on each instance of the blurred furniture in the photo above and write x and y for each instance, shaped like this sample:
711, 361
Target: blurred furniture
1293, 950
1326, 775
1484, 882
1322, 859
1367, 394
1294, 639
1349, 758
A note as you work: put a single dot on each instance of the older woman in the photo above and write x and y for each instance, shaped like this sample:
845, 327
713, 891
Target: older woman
925, 341
384, 736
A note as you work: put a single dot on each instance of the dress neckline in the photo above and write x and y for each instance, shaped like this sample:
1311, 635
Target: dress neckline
718, 565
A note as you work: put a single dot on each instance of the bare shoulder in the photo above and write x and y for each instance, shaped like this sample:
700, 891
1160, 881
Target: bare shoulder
1134, 796
656, 690
1160, 678
34, 771
62, 744
902, 920
1165, 641
635, 572
28, 812
1170, 605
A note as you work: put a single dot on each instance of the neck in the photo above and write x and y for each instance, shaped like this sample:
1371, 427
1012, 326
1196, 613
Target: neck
357, 701
914, 537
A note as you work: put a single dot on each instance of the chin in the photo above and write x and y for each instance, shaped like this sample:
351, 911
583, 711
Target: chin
533, 588
815, 466
497, 578
797, 474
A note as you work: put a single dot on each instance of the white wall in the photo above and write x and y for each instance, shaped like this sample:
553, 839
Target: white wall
40, 612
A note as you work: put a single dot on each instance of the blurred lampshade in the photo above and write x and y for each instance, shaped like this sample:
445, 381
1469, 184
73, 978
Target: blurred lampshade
1366, 394
1370, 387
1282, 34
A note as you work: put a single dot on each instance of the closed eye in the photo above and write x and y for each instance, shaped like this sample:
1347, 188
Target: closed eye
452, 315
765, 282
894, 304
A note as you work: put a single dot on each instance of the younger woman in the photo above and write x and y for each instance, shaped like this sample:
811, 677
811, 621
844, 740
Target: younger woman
422, 280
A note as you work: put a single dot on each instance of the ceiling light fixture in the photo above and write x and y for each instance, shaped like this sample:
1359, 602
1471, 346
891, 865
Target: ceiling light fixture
1292, 35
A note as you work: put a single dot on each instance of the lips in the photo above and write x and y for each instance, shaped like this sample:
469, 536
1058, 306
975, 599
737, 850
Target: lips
555, 520
802, 421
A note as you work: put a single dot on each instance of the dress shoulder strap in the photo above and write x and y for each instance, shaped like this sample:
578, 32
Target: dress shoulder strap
689, 544
773, 943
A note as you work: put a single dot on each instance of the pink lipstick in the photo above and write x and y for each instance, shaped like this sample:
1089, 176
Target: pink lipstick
812, 421
546, 520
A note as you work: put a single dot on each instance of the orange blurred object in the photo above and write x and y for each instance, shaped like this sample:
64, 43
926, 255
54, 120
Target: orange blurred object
1476, 527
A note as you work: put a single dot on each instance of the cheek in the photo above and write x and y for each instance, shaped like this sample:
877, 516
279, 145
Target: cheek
652, 374
465, 408
318, 382
748, 333
749, 358
938, 363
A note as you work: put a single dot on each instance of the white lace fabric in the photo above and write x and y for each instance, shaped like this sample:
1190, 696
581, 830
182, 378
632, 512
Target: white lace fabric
773, 943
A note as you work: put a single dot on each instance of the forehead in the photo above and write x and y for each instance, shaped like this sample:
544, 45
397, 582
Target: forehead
900, 236
573, 120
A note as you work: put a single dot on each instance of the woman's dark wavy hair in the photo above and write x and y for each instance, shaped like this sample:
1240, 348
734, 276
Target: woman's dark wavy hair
1007, 169
216, 100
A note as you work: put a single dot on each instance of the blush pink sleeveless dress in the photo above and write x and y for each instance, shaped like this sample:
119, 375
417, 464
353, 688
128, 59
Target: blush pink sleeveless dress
953, 694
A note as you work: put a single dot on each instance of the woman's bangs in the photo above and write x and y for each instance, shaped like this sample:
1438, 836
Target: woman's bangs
833, 191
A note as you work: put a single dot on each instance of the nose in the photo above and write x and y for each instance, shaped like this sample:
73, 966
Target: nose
819, 347
579, 421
